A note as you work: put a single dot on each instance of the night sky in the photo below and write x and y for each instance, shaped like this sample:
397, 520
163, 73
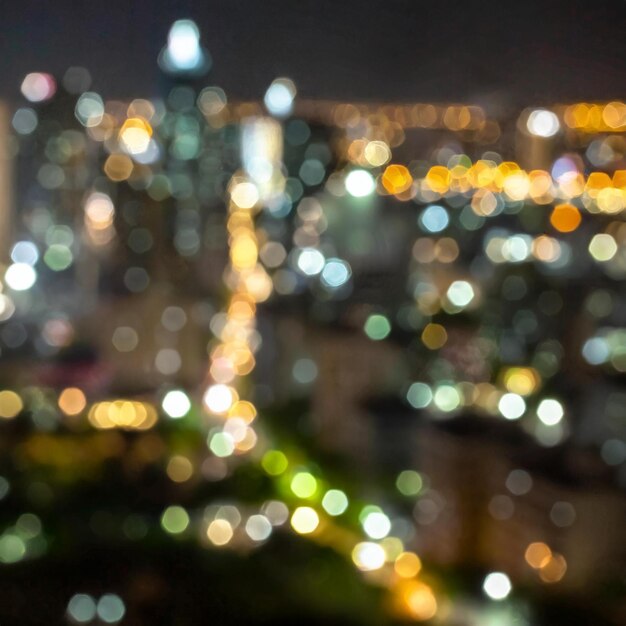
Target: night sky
482, 52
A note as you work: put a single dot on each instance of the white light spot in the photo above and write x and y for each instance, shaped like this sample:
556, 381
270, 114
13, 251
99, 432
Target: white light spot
335, 273
359, 183
310, 261
550, 411
279, 97
183, 45
497, 586
543, 123
368, 556
512, 406
218, 398
460, 293
176, 403
258, 527
20, 276
376, 525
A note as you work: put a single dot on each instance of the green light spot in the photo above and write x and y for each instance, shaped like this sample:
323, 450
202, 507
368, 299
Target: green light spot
409, 483
274, 462
419, 395
58, 257
222, 445
12, 549
447, 398
174, 520
367, 510
335, 502
28, 526
304, 484
377, 327
81, 608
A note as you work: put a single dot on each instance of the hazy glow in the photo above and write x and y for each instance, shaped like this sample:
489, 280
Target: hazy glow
407, 565
10, 404
279, 97
183, 46
37, 87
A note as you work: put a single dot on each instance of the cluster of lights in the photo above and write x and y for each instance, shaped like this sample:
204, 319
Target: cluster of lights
596, 118
83, 608
130, 139
125, 414
550, 566
491, 185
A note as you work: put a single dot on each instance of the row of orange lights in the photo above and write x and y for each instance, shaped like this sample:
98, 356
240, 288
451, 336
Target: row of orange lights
599, 191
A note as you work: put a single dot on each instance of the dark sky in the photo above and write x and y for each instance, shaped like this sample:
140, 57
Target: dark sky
518, 52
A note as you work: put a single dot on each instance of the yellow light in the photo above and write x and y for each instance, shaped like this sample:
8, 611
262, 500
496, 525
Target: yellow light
243, 410
124, 414
219, 532
368, 556
565, 218
244, 251
135, 135
521, 380
434, 336
418, 599
304, 520
517, 185
377, 153
72, 401
554, 569
541, 189
538, 555
614, 115
244, 195
610, 200
179, 469
10, 404
396, 179
438, 179
407, 565
118, 167
303, 485
219, 398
